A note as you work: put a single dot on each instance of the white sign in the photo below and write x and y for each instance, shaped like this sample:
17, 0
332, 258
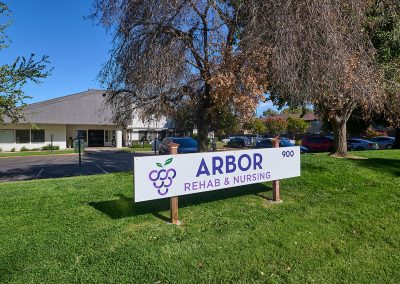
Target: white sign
157, 177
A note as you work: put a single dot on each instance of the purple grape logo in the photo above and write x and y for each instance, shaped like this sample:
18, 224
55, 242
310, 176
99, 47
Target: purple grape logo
162, 179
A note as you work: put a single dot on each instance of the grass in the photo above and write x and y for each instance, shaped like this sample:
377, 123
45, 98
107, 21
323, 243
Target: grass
136, 149
339, 223
36, 153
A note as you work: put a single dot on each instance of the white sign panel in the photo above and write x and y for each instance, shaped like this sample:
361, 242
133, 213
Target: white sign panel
158, 177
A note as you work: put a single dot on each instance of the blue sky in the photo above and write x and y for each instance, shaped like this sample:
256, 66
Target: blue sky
76, 47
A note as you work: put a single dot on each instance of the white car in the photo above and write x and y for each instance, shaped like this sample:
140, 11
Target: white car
226, 140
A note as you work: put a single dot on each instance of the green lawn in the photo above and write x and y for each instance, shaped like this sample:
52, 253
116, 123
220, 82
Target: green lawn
136, 149
36, 153
339, 223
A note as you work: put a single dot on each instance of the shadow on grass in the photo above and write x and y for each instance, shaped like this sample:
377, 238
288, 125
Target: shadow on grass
125, 207
388, 166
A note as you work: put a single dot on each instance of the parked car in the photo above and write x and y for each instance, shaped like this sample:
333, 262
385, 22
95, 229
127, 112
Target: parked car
384, 142
288, 139
226, 139
361, 144
186, 145
236, 142
318, 143
267, 143
247, 141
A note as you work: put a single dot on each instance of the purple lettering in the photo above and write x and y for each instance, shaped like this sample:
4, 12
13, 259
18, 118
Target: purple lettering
257, 161
203, 169
241, 167
217, 163
187, 186
230, 164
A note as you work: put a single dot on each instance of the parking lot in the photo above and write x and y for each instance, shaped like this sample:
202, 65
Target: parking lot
56, 166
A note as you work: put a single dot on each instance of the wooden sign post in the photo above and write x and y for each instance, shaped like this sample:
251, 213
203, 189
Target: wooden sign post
275, 184
173, 150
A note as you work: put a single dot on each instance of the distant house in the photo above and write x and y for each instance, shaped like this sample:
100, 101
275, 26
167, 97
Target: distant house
83, 114
315, 124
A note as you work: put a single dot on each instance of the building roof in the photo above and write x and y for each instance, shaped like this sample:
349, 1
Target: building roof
87, 107
307, 117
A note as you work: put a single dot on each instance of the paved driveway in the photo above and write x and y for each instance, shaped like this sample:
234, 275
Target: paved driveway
55, 166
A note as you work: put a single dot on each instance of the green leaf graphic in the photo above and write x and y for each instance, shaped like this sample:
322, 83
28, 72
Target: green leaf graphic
168, 161
160, 165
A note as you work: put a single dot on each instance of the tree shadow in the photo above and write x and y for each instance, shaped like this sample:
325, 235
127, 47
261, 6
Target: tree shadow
126, 207
388, 166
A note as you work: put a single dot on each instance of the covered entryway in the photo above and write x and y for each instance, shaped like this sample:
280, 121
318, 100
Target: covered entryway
96, 138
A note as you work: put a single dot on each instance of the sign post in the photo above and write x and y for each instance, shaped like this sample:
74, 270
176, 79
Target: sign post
275, 184
173, 150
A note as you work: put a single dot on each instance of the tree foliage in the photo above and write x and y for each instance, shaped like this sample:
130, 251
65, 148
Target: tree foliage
14, 76
297, 126
270, 112
196, 52
256, 126
275, 125
321, 55
383, 27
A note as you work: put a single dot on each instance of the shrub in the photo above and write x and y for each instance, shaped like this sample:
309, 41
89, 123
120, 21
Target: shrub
370, 133
49, 147
24, 149
12, 150
140, 145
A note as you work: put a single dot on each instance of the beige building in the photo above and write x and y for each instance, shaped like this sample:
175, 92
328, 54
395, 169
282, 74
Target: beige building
60, 120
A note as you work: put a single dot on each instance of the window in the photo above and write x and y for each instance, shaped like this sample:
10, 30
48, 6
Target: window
37, 136
82, 134
22, 135
7, 136
108, 135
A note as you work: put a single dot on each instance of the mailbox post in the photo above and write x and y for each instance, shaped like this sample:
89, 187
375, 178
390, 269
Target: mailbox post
51, 142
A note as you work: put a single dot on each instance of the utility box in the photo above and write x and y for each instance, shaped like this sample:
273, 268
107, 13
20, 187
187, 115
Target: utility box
76, 145
155, 145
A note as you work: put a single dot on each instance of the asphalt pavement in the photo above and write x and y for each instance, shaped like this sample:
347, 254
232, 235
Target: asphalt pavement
56, 166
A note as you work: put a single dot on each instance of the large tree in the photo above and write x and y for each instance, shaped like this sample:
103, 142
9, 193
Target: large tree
182, 52
384, 29
321, 55
15, 75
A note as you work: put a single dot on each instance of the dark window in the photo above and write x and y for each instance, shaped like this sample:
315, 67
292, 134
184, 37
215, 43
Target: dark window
22, 136
7, 136
82, 134
37, 136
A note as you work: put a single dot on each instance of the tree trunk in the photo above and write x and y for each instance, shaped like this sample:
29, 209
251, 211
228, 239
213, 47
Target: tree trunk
202, 133
396, 144
203, 123
340, 137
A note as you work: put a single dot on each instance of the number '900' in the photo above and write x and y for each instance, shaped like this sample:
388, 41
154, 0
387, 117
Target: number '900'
288, 154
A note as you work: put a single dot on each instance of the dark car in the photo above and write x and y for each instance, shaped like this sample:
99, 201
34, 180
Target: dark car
384, 142
236, 142
317, 143
361, 144
267, 143
186, 145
